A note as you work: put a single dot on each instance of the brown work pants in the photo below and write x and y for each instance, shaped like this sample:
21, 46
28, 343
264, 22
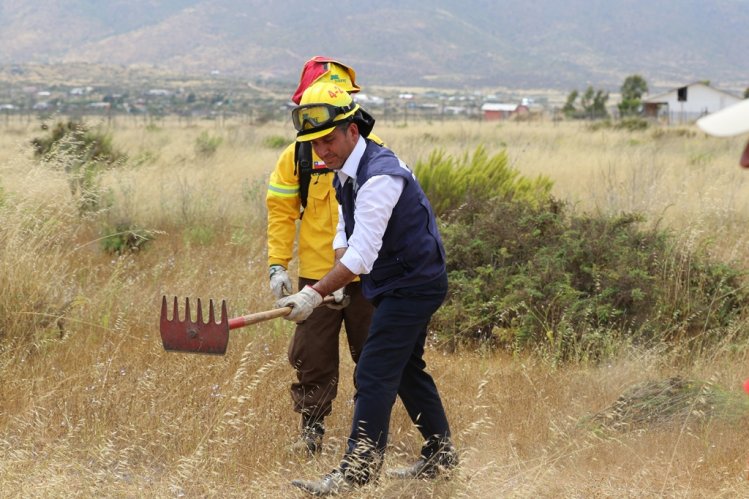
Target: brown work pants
314, 355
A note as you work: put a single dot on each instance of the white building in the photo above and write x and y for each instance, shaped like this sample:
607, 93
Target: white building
686, 104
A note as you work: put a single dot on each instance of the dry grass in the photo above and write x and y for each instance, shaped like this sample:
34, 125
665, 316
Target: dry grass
91, 405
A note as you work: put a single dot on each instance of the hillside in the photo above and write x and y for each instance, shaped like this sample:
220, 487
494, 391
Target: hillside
442, 43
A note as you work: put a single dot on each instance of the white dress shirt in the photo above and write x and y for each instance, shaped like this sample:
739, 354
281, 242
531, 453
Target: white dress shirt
375, 201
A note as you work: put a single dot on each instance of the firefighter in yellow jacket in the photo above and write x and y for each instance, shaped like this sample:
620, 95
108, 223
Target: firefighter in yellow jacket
301, 189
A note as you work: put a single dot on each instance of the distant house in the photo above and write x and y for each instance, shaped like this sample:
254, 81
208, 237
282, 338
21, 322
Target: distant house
368, 100
496, 111
99, 105
159, 92
687, 103
81, 90
454, 110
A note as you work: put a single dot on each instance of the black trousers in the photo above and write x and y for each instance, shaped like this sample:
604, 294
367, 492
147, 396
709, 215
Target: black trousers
392, 364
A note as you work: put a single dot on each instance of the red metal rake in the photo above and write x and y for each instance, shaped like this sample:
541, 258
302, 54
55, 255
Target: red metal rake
207, 337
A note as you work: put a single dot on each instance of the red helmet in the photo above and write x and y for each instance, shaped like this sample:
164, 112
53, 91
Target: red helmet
321, 68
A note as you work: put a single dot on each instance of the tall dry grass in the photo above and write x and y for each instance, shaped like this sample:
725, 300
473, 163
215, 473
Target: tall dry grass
91, 405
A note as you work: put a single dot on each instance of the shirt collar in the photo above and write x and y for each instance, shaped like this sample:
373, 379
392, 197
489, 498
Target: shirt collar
351, 165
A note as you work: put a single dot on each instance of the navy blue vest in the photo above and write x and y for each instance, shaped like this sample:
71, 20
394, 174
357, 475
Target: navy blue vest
412, 252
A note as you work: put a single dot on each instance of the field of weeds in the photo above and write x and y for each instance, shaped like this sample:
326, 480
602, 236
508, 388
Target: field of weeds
92, 406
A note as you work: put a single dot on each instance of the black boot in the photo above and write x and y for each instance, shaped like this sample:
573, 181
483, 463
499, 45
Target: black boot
432, 462
356, 469
331, 484
309, 442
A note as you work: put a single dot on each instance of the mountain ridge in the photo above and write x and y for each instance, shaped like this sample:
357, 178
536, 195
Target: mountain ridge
442, 43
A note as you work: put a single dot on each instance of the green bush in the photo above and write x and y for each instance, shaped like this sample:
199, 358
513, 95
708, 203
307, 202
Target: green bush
526, 276
595, 126
450, 182
629, 123
662, 133
199, 235
206, 144
633, 123
276, 142
124, 238
83, 154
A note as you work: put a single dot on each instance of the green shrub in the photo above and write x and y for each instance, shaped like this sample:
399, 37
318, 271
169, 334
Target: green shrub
679, 133
124, 238
83, 154
633, 123
526, 276
595, 126
198, 235
449, 182
206, 144
629, 123
276, 142
145, 157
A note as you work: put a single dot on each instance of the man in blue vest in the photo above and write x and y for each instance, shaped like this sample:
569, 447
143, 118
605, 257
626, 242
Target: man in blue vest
387, 235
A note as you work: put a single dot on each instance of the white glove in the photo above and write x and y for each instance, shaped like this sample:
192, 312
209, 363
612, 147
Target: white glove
340, 299
302, 304
280, 284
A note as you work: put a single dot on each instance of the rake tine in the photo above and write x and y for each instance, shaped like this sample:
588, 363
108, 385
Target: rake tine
187, 312
224, 315
200, 313
163, 309
211, 318
175, 311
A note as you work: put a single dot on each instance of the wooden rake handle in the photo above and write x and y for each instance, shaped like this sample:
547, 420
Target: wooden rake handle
248, 320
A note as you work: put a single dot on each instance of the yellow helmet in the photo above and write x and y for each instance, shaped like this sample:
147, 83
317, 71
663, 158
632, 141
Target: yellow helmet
323, 106
321, 68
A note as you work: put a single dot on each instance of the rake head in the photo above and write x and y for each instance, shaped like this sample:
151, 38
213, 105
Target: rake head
199, 337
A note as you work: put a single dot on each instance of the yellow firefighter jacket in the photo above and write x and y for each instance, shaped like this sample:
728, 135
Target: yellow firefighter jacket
318, 225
